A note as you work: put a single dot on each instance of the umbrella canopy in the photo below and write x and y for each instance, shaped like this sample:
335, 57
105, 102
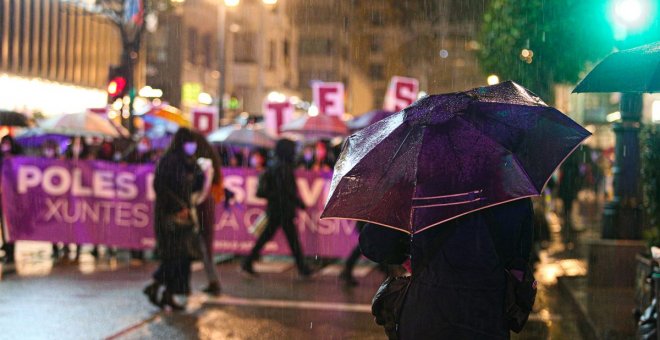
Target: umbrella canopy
167, 113
635, 70
79, 124
35, 137
241, 136
367, 119
11, 118
449, 155
319, 126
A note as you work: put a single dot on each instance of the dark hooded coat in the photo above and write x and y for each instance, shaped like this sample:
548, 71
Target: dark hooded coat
176, 177
458, 285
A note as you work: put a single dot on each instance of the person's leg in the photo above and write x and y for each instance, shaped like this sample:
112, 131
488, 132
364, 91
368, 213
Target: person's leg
292, 238
265, 236
347, 273
210, 268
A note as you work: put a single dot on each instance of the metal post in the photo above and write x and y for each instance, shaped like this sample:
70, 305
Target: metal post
622, 217
222, 16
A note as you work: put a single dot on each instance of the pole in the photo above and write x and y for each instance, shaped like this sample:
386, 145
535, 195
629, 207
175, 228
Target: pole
222, 16
622, 217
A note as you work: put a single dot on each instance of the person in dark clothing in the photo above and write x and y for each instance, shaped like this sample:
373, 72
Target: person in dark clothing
569, 186
458, 281
346, 274
8, 148
278, 186
176, 177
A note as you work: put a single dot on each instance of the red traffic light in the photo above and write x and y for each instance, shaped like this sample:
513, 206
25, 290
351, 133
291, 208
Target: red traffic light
116, 86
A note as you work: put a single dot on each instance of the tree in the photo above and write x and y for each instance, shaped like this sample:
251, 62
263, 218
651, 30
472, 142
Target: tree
540, 43
129, 17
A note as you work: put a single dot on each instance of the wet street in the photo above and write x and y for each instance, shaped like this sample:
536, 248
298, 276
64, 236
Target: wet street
103, 300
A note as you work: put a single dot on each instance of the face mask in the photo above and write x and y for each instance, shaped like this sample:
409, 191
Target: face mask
308, 156
142, 148
6, 147
189, 148
254, 162
76, 149
50, 153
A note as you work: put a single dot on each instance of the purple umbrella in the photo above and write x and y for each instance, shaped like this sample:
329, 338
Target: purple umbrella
449, 155
367, 119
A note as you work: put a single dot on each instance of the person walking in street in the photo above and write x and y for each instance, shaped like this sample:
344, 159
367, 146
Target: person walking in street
458, 281
176, 177
278, 186
8, 148
205, 209
569, 186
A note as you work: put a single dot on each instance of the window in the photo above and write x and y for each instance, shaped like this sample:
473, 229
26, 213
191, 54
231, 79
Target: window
192, 45
311, 46
244, 47
208, 53
376, 72
272, 54
376, 45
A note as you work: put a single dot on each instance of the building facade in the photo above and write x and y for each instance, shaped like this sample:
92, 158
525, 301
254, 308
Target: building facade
54, 56
259, 52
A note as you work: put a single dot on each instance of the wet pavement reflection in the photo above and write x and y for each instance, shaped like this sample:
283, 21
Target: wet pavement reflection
101, 298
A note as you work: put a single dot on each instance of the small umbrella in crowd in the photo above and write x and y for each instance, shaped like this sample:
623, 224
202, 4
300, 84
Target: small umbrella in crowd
241, 136
371, 117
319, 126
636, 70
449, 155
79, 124
11, 118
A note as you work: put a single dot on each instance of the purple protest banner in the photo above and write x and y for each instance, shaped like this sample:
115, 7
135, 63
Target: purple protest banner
78, 201
326, 238
112, 204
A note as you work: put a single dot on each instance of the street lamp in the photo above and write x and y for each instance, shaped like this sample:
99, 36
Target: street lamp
222, 31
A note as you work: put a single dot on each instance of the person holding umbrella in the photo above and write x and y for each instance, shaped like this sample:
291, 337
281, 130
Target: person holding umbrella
445, 185
278, 186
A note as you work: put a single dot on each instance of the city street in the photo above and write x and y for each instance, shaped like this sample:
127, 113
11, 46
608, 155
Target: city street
103, 299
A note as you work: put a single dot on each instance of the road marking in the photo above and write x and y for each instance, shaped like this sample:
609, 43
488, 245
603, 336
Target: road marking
336, 269
316, 305
134, 327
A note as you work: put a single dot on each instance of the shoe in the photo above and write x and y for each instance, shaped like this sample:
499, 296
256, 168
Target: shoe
151, 291
213, 289
305, 272
348, 279
246, 269
168, 300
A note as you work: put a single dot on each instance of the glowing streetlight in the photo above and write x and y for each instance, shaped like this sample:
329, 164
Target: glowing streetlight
493, 79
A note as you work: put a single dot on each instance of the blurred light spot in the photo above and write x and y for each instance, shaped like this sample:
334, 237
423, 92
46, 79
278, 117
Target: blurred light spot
232, 3
655, 111
233, 28
444, 53
628, 11
493, 79
613, 117
205, 98
313, 110
277, 97
421, 94
269, 2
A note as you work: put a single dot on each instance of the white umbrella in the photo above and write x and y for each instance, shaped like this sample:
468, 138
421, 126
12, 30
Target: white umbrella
79, 124
237, 135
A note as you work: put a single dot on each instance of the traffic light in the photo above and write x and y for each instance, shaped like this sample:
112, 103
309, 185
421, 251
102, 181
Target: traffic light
117, 83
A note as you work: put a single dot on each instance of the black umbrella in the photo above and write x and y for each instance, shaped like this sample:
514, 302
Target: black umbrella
635, 70
11, 118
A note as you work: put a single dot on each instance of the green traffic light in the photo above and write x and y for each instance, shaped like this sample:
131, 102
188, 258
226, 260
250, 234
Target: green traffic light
629, 17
